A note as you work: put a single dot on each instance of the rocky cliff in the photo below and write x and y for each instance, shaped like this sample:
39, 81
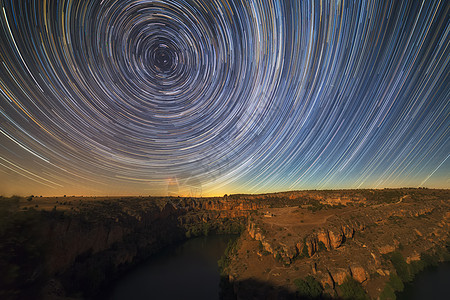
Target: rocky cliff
91, 241
365, 242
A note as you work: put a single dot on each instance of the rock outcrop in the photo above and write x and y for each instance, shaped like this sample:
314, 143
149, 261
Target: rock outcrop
364, 242
331, 238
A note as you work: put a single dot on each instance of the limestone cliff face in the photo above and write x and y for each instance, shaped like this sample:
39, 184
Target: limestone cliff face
106, 237
69, 238
332, 238
74, 235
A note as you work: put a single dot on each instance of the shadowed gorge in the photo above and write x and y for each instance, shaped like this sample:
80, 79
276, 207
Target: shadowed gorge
90, 241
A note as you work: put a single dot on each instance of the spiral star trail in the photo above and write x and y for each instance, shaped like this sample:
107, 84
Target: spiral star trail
149, 97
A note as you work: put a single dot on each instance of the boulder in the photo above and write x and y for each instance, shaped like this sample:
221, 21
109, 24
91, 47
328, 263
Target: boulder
358, 273
339, 275
336, 238
386, 249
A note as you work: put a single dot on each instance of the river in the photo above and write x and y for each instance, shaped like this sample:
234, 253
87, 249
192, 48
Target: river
185, 271
189, 271
432, 283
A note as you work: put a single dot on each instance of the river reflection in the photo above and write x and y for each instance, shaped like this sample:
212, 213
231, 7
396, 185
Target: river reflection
186, 271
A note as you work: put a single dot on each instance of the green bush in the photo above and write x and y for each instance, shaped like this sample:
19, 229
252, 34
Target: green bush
222, 226
388, 293
225, 260
417, 266
395, 282
352, 289
308, 287
400, 265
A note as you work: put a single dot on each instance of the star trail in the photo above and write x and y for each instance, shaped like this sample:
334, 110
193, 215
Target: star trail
221, 96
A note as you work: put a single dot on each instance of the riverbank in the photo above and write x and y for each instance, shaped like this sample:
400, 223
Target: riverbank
405, 282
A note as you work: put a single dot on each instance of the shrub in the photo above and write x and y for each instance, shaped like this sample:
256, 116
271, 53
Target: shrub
225, 260
308, 287
388, 293
352, 289
400, 265
417, 266
395, 282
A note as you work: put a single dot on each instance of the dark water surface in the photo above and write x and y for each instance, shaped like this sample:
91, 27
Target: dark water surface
185, 271
189, 271
432, 283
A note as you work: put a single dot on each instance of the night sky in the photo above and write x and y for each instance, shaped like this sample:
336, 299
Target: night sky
211, 97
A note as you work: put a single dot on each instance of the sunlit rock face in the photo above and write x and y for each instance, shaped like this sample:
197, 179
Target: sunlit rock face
365, 240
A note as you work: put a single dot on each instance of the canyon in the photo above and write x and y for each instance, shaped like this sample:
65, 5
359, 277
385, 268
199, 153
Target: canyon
328, 239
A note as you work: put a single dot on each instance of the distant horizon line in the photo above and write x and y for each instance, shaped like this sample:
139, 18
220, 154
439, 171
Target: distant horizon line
216, 196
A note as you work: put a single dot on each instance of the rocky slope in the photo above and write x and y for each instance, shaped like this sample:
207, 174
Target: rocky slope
333, 244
